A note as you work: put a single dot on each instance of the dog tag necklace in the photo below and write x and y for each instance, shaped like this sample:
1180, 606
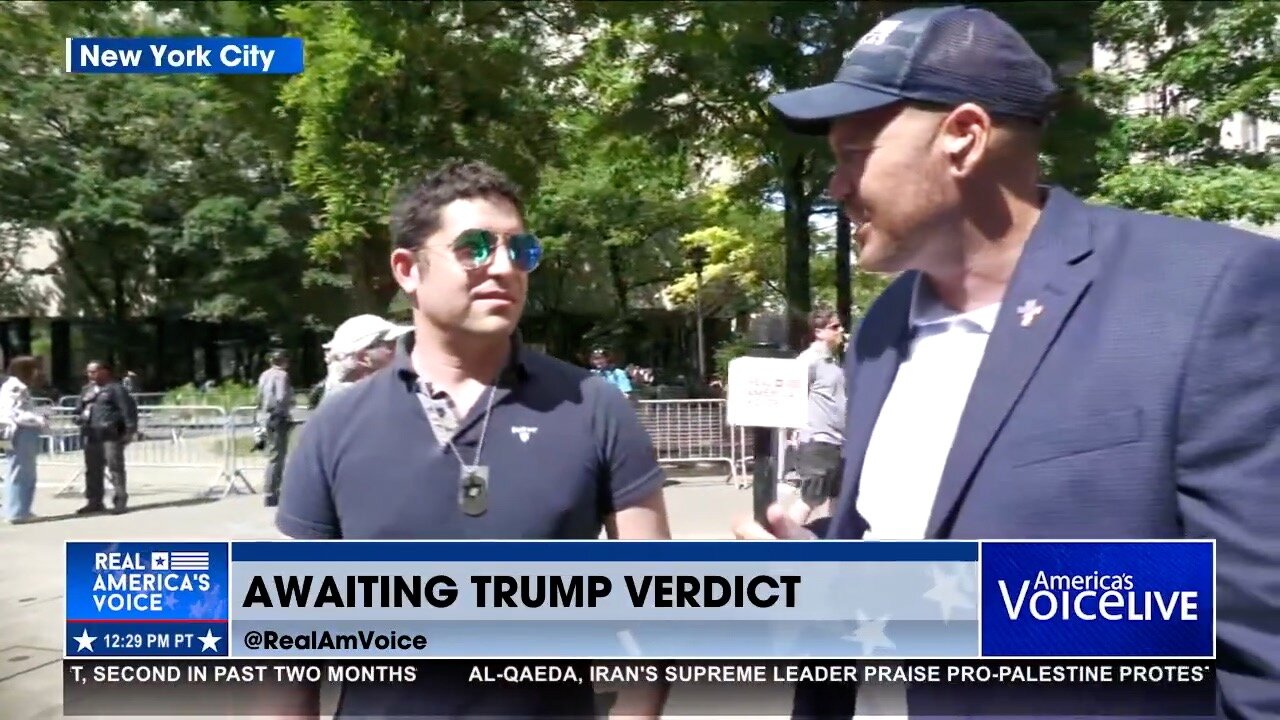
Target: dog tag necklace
473, 479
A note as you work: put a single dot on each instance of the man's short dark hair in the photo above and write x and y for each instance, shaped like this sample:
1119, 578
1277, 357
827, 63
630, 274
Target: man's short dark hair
821, 317
417, 214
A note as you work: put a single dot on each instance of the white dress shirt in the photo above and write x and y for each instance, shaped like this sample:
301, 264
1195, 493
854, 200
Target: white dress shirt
912, 439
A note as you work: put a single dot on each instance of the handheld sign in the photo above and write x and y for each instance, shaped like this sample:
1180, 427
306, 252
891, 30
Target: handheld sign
766, 393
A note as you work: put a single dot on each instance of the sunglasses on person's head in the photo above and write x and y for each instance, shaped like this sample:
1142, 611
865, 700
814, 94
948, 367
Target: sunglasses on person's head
476, 248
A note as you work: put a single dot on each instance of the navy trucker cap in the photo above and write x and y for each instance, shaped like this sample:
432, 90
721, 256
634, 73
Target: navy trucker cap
945, 56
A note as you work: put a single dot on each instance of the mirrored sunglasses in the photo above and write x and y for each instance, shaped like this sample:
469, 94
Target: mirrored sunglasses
477, 248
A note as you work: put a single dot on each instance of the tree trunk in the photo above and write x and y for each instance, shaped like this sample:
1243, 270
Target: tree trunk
372, 286
617, 274
121, 347
844, 278
796, 211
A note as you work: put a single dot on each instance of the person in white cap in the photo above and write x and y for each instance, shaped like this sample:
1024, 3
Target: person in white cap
360, 346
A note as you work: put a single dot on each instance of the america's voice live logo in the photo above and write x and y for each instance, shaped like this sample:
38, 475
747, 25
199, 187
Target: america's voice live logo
1098, 599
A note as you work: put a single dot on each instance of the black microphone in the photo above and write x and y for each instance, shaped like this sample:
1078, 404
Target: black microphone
768, 335
769, 332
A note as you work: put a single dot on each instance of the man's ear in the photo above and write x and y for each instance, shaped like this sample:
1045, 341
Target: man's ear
407, 269
966, 134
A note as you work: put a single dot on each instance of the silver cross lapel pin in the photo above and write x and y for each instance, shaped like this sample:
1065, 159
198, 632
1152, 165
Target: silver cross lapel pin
1029, 310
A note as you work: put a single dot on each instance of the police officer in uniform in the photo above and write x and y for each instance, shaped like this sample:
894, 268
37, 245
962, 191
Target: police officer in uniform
108, 420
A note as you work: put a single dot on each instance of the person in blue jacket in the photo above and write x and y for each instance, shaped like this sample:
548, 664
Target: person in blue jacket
602, 365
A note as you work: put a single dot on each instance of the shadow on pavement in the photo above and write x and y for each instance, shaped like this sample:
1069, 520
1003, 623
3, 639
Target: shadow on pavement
133, 508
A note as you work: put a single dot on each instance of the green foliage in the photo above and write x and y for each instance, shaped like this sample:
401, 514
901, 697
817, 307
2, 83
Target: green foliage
638, 130
706, 71
144, 182
744, 258
392, 88
611, 206
1220, 193
1198, 64
726, 352
226, 395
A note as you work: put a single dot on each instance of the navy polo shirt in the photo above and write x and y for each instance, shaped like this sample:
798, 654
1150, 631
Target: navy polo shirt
564, 450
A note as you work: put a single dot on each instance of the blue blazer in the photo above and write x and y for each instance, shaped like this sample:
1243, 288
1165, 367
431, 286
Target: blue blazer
1143, 402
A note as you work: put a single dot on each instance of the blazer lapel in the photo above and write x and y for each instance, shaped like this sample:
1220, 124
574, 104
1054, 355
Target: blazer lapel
876, 354
1052, 275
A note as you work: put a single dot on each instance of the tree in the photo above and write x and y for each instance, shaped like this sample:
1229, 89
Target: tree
392, 88
124, 170
1199, 64
743, 270
611, 213
710, 66
18, 294
613, 204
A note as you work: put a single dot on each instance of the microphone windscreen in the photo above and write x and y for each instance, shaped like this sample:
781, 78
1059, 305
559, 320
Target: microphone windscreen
769, 330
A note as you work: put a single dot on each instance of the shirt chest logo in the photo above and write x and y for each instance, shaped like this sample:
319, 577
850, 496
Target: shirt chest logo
524, 432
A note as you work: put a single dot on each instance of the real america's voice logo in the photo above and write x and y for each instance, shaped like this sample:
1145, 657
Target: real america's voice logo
1122, 599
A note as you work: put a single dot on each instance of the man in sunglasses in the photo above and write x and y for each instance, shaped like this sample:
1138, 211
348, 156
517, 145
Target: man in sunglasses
470, 435
818, 445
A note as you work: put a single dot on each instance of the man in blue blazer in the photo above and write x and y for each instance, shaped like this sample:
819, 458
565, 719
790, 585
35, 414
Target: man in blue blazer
1042, 368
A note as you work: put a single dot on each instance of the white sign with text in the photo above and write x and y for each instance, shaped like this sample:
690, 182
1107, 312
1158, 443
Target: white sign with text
768, 392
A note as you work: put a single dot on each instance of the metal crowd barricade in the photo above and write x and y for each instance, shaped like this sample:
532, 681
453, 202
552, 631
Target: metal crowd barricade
142, 399
170, 437
690, 431
743, 454
241, 424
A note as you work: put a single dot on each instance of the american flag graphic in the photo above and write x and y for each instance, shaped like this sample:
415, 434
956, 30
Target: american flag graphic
180, 560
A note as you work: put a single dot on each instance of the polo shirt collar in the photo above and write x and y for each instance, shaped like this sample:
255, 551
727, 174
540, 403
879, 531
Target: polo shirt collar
516, 370
927, 309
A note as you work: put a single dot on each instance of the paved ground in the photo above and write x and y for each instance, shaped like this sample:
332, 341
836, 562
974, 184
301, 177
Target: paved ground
165, 506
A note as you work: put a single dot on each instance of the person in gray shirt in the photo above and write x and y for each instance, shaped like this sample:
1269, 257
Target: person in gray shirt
275, 404
818, 459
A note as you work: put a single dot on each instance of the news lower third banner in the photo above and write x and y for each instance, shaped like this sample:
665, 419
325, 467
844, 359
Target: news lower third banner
604, 600
147, 599
184, 55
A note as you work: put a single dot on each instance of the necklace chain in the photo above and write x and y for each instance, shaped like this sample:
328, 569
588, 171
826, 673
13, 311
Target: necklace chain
484, 431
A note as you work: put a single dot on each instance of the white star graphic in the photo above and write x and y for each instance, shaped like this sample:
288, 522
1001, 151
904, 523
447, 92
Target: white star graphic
947, 593
209, 641
871, 634
84, 641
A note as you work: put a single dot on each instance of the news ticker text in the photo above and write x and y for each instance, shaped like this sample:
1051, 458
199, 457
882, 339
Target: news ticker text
831, 599
243, 687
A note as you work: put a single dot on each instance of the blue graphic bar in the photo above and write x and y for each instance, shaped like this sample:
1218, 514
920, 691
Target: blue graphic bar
136, 639
1098, 599
136, 599
185, 55
595, 551
675, 599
